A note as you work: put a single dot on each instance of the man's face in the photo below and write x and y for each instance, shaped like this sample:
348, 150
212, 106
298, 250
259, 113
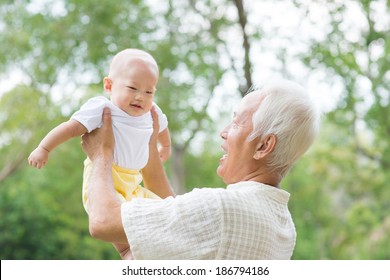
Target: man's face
237, 163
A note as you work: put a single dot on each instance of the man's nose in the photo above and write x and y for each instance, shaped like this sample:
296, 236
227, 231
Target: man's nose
224, 133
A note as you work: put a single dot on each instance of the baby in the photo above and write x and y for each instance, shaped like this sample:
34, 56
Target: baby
131, 85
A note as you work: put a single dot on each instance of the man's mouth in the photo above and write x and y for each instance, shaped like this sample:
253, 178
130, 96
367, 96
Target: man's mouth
225, 155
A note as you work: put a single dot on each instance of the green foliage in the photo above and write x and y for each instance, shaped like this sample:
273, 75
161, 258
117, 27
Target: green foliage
41, 214
21, 124
352, 160
339, 195
203, 171
344, 215
73, 41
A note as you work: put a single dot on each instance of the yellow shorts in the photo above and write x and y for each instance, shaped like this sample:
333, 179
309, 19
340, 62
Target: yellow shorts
126, 183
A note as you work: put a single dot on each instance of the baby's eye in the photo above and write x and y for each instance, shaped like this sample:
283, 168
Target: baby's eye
149, 92
132, 88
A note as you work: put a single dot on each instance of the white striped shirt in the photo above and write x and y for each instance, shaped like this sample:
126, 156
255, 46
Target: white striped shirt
248, 220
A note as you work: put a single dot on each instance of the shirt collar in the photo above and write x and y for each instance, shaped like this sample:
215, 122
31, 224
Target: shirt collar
278, 194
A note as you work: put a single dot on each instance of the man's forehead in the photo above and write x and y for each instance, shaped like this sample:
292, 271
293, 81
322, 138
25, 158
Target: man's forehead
242, 115
249, 103
254, 96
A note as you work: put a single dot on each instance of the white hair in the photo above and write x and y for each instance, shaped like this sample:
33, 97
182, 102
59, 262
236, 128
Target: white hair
287, 112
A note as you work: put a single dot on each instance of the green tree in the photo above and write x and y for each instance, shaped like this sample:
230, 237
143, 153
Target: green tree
205, 50
62, 50
354, 53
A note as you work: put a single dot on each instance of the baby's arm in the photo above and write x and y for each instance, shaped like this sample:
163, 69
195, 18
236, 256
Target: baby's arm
164, 139
60, 134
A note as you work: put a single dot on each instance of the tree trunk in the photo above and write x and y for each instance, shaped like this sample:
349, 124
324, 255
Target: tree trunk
178, 169
242, 20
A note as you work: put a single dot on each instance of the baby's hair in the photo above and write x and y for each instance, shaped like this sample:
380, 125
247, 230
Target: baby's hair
122, 58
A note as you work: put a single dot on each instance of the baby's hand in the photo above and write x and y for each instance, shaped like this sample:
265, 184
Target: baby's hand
39, 157
165, 152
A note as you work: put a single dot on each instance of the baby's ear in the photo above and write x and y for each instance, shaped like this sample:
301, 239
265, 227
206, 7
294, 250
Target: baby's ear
107, 84
265, 146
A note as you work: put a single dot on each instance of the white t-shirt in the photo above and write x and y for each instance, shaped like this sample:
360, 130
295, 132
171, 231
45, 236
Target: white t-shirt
248, 220
131, 134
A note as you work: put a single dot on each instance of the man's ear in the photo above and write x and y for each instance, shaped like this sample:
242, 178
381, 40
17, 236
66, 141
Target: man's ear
107, 84
265, 146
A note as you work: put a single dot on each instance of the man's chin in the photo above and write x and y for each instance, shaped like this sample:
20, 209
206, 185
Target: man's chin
220, 171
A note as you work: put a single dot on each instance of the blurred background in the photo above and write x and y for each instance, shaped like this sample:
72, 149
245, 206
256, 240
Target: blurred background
55, 53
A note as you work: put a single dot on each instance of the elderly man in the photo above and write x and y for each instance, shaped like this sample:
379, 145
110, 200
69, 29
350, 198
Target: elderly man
271, 128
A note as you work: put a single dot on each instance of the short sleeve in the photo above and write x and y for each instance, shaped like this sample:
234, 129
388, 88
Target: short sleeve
184, 227
162, 118
90, 114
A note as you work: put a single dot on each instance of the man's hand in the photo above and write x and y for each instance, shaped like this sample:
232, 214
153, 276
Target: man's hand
156, 127
153, 173
100, 142
164, 152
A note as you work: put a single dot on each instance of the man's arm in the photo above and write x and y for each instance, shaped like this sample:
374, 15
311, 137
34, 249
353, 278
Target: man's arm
104, 208
124, 251
153, 173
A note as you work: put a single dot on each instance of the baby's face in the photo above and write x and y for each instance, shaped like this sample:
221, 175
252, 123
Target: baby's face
133, 87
